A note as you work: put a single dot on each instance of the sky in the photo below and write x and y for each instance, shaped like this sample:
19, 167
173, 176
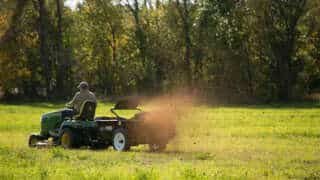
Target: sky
72, 3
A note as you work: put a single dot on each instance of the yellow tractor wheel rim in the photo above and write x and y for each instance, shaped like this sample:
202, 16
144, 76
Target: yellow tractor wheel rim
65, 140
33, 141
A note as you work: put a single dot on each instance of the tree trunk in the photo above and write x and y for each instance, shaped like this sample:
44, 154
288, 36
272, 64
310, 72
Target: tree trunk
44, 55
249, 69
284, 73
61, 65
185, 17
114, 46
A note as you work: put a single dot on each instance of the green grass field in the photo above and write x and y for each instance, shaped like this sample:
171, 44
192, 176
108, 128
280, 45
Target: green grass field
252, 142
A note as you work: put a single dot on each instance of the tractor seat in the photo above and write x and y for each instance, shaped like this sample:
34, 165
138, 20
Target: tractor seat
87, 111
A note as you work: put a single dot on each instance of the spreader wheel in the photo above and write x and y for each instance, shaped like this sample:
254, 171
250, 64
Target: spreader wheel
157, 147
120, 140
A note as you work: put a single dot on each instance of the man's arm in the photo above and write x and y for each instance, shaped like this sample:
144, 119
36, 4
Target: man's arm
95, 98
71, 103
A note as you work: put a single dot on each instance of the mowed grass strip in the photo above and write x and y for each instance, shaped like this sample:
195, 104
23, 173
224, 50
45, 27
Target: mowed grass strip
250, 142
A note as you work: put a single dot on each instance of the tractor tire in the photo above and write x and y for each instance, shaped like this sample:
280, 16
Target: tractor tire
120, 140
69, 139
34, 139
157, 147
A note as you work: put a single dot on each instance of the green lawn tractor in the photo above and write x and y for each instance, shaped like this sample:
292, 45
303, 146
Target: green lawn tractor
62, 128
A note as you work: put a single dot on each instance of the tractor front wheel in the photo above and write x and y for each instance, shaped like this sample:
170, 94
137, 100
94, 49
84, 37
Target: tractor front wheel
34, 139
69, 139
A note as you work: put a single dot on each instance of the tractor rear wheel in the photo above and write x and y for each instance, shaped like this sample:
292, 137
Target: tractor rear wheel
120, 140
69, 139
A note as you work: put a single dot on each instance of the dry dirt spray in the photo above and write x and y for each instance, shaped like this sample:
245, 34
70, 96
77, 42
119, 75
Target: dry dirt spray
169, 110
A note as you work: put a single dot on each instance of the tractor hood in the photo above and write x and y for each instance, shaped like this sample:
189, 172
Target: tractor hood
52, 120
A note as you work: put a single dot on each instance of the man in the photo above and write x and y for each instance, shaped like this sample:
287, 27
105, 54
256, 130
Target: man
83, 95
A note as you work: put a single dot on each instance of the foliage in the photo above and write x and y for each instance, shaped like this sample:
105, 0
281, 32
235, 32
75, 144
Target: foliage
258, 50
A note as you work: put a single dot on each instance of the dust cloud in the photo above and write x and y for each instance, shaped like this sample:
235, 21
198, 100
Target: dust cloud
167, 111
169, 107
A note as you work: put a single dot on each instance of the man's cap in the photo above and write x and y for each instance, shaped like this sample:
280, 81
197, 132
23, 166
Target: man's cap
83, 85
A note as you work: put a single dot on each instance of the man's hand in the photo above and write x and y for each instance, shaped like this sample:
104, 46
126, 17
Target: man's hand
68, 105
71, 103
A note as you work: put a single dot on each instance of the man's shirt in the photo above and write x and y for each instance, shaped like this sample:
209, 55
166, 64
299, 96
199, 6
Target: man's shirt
81, 97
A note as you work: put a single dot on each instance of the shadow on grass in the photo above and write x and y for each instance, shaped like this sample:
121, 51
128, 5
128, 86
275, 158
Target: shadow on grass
182, 155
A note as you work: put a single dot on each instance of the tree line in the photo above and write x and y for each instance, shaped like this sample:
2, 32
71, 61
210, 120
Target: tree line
264, 50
